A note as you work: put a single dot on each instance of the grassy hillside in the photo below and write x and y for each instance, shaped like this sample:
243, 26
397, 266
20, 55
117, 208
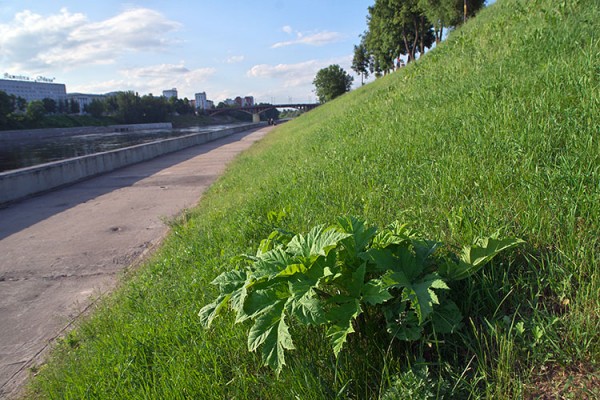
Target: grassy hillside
497, 130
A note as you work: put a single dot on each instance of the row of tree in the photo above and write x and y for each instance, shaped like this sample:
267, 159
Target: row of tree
16, 112
395, 28
404, 28
123, 107
131, 108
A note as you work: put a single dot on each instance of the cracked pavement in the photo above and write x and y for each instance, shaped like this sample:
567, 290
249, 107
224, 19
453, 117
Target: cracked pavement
62, 250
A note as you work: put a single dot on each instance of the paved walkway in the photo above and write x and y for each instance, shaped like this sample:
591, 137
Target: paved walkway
61, 250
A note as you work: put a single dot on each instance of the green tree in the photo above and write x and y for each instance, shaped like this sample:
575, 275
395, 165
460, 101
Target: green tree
155, 109
182, 106
332, 82
128, 107
448, 13
361, 61
49, 105
62, 106
20, 104
74, 107
96, 108
6, 108
399, 27
36, 110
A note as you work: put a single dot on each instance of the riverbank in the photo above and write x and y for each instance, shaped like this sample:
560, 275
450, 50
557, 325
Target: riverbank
24, 182
80, 239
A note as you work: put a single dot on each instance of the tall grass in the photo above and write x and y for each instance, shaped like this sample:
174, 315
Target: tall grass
496, 130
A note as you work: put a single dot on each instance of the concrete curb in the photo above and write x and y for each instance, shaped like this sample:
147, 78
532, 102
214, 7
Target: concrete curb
25, 182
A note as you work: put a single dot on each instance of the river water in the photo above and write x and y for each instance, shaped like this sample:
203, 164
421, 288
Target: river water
17, 154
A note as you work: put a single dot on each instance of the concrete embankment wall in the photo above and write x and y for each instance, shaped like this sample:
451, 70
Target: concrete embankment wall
25, 182
35, 134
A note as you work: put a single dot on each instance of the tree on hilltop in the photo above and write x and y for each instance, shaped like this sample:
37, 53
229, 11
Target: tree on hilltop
361, 61
332, 82
408, 27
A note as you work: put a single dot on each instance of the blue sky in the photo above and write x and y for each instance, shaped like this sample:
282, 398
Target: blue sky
269, 49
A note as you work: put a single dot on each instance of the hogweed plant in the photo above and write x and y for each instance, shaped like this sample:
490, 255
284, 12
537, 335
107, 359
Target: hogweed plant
332, 275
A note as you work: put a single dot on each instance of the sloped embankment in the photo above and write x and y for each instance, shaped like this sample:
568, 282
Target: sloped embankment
495, 130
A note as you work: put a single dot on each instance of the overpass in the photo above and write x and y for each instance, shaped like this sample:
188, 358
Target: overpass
255, 111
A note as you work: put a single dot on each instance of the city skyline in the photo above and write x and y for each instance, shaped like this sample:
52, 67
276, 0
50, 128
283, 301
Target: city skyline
270, 51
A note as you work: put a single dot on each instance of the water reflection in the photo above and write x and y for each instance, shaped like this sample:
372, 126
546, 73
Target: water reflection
17, 154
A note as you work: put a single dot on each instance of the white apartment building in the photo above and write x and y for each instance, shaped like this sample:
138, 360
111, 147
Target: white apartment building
172, 93
201, 101
32, 90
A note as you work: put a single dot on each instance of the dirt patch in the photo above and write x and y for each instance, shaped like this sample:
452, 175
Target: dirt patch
578, 381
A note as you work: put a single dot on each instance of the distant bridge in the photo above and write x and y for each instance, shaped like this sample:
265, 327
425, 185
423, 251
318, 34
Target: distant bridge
255, 111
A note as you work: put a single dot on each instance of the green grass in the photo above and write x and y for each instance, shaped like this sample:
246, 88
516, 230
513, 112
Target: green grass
495, 130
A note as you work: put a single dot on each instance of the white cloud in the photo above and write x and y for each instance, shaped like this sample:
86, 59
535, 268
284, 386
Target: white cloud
315, 39
32, 42
287, 29
235, 59
154, 79
296, 75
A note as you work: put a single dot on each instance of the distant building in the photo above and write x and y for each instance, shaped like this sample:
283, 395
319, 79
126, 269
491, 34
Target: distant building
229, 102
84, 99
248, 101
210, 104
30, 90
170, 93
201, 101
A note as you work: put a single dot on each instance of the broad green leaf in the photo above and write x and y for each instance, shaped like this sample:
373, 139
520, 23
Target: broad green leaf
375, 292
304, 306
405, 327
230, 280
485, 249
380, 260
408, 262
446, 318
265, 246
259, 301
421, 295
322, 267
237, 300
271, 263
342, 317
292, 270
264, 324
425, 249
395, 233
360, 235
302, 303
274, 347
277, 237
319, 241
398, 279
355, 286
208, 313
271, 331
473, 258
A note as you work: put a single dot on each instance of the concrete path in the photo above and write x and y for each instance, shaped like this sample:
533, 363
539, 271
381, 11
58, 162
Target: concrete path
62, 250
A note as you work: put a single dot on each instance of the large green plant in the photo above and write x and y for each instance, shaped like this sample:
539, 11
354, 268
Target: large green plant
331, 275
